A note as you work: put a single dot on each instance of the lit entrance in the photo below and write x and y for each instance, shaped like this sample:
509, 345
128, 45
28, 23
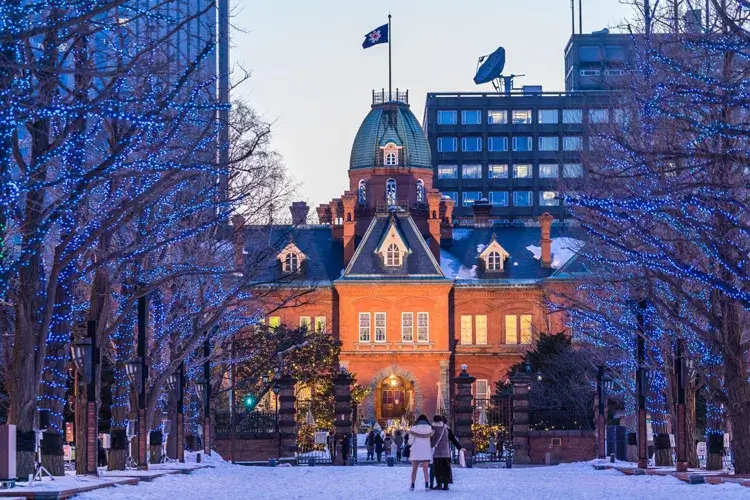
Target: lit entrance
393, 398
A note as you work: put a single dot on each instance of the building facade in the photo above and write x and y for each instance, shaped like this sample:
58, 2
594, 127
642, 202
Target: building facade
410, 295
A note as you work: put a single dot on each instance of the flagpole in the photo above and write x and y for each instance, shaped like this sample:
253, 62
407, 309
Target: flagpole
390, 36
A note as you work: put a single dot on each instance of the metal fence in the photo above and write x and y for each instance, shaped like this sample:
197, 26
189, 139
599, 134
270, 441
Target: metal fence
247, 424
558, 419
492, 429
313, 444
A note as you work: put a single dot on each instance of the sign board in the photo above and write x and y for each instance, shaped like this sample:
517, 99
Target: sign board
67, 453
106, 441
321, 437
702, 449
69, 434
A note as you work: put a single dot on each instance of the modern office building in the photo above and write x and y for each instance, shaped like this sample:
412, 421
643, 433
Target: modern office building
597, 61
512, 149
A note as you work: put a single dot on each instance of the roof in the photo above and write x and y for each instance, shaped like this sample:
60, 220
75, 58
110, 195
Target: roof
368, 264
390, 122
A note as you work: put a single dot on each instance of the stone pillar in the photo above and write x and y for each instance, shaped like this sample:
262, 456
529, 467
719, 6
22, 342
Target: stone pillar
464, 413
446, 216
343, 411
520, 419
287, 412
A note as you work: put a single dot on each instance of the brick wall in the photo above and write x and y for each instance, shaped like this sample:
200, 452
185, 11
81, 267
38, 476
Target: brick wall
575, 446
248, 450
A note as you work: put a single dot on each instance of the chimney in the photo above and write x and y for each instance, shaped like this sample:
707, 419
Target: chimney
433, 221
299, 211
324, 214
545, 222
349, 200
481, 210
238, 240
337, 212
446, 214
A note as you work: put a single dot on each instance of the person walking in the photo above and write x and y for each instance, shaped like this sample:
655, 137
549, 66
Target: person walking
379, 445
440, 441
388, 445
398, 442
407, 446
370, 445
420, 449
492, 447
331, 443
345, 447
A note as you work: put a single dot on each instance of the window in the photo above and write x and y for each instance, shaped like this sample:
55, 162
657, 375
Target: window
572, 170
548, 116
614, 52
446, 117
274, 321
391, 158
390, 192
497, 144
447, 144
548, 199
522, 171
393, 256
521, 116
452, 195
548, 170
526, 329
379, 327
590, 72
589, 53
620, 117
305, 322
320, 323
364, 327
481, 325
495, 117
291, 263
471, 144
572, 144
471, 171
493, 262
522, 144
548, 144
466, 334
447, 171
572, 116
499, 198
598, 116
522, 199
614, 72
498, 171
481, 392
362, 191
471, 117
511, 329
471, 197
423, 327
407, 327
420, 191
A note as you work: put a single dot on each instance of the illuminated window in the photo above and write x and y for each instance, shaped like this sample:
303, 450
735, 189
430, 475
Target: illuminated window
511, 329
548, 116
379, 327
423, 327
274, 321
320, 323
548, 199
522, 171
498, 171
521, 116
548, 170
390, 192
495, 117
481, 325
471, 171
362, 191
447, 171
481, 392
364, 327
393, 256
466, 334
420, 191
407, 327
304, 322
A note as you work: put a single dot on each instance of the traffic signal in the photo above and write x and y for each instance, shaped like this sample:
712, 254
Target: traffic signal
250, 402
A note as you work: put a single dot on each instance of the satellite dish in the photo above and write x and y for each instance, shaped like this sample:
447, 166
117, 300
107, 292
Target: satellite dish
491, 67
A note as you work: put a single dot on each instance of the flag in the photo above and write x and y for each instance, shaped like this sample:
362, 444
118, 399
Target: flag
376, 36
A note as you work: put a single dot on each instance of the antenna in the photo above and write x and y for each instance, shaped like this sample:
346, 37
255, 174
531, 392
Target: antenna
490, 70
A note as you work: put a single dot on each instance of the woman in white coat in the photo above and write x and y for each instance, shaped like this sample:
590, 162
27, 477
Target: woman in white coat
420, 449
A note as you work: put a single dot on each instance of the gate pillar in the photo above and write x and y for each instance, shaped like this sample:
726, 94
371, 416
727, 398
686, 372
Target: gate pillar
464, 413
343, 411
520, 410
287, 412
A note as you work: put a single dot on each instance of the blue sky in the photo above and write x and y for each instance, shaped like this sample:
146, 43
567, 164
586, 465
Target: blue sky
313, 80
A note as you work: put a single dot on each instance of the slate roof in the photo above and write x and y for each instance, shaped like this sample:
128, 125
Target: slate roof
377, 129
367, 264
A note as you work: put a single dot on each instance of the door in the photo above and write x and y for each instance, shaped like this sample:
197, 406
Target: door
392, 403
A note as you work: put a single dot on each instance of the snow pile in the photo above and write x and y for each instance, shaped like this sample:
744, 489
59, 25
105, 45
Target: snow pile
213, 459
563, 249
452, 267
480, 248
461, 233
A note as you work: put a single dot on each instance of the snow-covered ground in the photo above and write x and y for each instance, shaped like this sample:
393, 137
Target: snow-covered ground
568, 482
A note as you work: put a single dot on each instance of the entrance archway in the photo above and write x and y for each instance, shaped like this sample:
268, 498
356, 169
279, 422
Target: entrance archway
394, 393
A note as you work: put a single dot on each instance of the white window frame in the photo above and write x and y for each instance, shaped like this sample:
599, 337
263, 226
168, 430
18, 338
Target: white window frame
464, 114
407, 327
497, 112
530, 169
393, 256
474, 166
381, 329
556, 168
494, 263
530, 197
291, 262
447, 112
320, 323
489, 171
440, 144
423, 327
365, 332
527, 139
481, 395
541, 112
547, 137
466, 202
305, 321
505, 199
470, 323
454, 170
525, 121
391, 158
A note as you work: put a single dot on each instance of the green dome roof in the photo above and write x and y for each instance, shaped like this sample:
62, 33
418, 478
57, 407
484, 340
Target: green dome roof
379, 127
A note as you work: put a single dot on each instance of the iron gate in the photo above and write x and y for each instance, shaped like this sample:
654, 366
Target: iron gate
492, 429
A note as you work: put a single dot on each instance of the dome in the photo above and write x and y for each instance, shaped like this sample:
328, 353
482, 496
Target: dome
392, 122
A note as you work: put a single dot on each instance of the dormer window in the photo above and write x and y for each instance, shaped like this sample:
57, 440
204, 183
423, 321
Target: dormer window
291, 263
393, 256
493, 256
391, 159
291, 259
390, 154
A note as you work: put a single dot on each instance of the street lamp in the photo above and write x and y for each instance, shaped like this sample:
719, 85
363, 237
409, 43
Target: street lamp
174, 383
133, 370
199, 386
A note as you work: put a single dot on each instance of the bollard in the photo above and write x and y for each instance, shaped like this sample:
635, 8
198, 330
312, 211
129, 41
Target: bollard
198, 458
612, 458
272, 462
508, 462
389, 461
310, 461
350, 461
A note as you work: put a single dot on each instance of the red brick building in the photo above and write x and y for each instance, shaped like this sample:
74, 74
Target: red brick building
410, 296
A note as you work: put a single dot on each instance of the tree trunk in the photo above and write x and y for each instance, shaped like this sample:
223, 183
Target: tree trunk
736, 386
690, 427
52, 453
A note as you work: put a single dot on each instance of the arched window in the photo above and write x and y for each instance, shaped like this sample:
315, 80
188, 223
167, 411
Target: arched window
390, 192
391, 158
493, 262
362, 191
291, 263
393, 256
420, 191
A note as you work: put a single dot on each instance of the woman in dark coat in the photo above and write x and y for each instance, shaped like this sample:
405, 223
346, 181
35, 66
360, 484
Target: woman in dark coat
370, 445
345, 447
441, 457
378, 445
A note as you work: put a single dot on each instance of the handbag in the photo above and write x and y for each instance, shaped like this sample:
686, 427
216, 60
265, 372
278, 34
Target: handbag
438, 441
461, 458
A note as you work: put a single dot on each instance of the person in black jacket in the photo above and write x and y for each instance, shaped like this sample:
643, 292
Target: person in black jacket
370, 445
379, 446
345, 447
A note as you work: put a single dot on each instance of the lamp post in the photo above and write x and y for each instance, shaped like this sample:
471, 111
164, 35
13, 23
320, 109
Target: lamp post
641, 384
603, 386
85, 354
176, 383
